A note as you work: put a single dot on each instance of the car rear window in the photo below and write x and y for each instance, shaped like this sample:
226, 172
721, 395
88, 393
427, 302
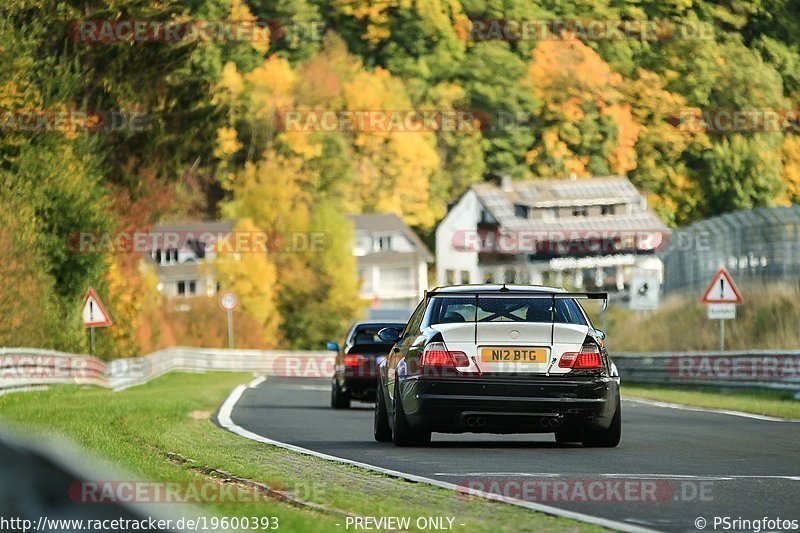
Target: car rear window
364, 339
454, 309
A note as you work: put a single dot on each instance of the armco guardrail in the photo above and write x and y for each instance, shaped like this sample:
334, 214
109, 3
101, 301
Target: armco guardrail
25, 368
754, 369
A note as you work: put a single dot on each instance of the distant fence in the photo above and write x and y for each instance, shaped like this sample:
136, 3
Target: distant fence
757, 369
28, 368
756, 245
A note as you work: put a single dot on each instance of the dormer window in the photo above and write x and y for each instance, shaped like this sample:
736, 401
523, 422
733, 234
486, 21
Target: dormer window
549, 215
384, 243
607, 209
522, 211
580, 211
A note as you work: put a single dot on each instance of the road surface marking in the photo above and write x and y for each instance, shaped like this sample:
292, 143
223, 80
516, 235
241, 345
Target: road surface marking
256, 382
655, 403
226, 421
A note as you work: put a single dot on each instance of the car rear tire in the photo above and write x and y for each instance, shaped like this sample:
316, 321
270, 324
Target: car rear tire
381, 429
605, 438
402, 433
339, 398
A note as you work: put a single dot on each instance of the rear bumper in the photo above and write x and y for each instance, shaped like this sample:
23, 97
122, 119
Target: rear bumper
508, 405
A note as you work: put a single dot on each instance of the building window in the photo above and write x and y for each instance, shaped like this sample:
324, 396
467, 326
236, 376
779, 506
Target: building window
396, 278
521, 211
465, 277
449, 276
580, 212
510, 276
187, 288
488, 277
549, 215
384, 243
607, 210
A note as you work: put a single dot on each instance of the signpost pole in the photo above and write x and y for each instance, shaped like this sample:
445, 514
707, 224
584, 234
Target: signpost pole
91, 340
721, 335
230, 329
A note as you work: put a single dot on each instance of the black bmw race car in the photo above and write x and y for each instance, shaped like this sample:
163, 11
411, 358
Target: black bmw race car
497, 359
356, 367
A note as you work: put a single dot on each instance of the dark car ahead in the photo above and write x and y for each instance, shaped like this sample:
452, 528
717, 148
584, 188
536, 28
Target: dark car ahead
497, 359
356, 367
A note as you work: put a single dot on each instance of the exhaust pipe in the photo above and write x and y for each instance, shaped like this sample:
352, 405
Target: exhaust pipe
475, 421
549, 422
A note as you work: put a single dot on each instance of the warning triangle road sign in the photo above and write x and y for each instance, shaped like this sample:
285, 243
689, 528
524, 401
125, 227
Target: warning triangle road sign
722, 290
94, 314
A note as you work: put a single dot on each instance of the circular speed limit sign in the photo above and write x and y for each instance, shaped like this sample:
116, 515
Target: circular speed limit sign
228, 301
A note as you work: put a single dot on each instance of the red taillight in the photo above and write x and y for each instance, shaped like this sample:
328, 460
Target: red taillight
437, 354
588, 358
352, 360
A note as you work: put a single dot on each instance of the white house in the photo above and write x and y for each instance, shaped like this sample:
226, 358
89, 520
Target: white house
392, 264
178, 253
580, 233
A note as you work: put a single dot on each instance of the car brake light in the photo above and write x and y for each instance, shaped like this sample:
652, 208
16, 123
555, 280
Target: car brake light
588, 358
352, 360
437, 354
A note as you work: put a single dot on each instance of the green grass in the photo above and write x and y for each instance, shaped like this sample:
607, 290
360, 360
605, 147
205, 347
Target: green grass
136, 428
780, 404
767, 320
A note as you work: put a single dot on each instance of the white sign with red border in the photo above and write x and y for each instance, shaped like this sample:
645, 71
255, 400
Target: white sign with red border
722, 290
94, 314
228, 301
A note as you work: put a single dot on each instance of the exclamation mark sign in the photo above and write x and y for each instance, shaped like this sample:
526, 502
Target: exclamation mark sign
722, 289
91, 310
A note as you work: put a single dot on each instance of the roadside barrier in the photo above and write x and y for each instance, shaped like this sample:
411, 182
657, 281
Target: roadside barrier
755, 369
31, 368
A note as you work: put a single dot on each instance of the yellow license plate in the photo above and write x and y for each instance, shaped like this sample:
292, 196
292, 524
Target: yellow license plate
511, 354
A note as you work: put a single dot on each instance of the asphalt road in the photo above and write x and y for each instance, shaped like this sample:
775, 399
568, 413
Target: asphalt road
672, 466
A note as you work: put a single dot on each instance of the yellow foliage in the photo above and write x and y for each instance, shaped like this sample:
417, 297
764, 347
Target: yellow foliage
241, 12
571, 80
790, 154
227, 143
271, 87
252, 276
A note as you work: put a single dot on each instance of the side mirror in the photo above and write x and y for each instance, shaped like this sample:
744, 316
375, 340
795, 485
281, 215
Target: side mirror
389, 334
332, 346
600, 334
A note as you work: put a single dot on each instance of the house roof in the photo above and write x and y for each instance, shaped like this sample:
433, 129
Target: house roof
389, 222
599, 191
197, 227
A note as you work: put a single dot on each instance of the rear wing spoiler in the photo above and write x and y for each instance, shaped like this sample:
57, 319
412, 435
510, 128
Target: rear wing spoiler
552, 295
522, 293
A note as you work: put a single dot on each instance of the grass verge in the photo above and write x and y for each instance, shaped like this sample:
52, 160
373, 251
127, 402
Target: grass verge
780, 404
139, 427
